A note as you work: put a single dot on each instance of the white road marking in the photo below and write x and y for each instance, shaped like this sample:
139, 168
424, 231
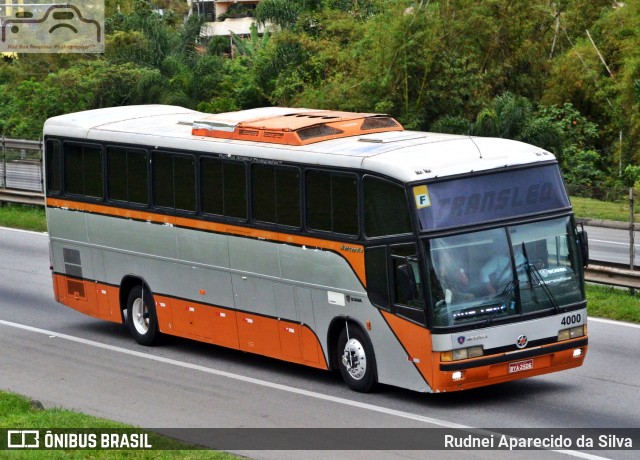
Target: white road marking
615, 323
19, 230
613, 242
277, 386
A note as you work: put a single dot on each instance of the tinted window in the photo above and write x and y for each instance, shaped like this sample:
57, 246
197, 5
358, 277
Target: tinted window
128, 178
490, 197
264, 194
117, 174
407, 283
138, 177
212, 186
332, 202
377, 276
235, 190
386, 210
54, 166
276, 195
184, 180
174, 181
163, 180
344, 190
288, 197
224, 188
83, 171
319, 201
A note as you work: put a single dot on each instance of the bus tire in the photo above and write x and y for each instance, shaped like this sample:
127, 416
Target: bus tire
141, 316
356, 360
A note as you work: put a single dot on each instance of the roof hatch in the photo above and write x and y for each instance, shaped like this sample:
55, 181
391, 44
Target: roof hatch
280, 125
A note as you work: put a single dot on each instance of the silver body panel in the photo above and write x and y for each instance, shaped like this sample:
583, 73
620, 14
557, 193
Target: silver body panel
279, 280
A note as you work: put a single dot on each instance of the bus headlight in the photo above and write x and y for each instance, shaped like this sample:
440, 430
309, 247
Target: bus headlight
461, 353
572, 333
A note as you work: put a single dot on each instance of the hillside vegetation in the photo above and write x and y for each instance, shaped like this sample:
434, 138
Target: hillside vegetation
531, 70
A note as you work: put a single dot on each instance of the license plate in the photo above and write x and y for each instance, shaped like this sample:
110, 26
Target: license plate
520, 366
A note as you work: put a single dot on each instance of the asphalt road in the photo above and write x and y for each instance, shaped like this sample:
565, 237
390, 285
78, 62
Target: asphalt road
65, 359
612, 245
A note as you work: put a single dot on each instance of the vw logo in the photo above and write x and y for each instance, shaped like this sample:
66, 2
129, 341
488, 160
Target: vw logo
522, 341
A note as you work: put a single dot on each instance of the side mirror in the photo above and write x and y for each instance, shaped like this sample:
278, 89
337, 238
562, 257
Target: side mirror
583, 241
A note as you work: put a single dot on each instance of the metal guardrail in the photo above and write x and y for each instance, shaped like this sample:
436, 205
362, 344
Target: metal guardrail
613, 276
21, 171
21, 197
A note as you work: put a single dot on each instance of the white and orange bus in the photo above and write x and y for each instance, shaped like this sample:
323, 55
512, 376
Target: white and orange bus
336, 240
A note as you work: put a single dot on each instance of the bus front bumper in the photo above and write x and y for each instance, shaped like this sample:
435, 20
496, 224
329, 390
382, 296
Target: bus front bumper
489, 370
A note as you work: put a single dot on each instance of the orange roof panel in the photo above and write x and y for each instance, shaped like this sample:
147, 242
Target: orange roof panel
281, 125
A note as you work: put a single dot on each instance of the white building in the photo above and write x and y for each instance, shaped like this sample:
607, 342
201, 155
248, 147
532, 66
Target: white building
221, 18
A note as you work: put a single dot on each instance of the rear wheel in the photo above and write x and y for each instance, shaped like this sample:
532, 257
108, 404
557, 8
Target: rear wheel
357, 363
141, 316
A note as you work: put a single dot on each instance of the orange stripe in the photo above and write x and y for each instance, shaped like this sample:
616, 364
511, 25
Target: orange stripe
354, 255
249, 332
416, 340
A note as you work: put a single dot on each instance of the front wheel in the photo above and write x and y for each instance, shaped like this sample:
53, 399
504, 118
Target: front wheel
357, 363
141, 316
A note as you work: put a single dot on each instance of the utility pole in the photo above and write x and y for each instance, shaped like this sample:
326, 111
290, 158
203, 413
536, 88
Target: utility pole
632, 247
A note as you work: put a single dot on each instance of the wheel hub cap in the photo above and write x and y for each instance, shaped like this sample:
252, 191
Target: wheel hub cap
354, 359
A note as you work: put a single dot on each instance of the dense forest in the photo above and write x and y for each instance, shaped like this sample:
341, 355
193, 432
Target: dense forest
563, 74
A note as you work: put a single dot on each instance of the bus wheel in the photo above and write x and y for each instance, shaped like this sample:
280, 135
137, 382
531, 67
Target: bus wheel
141, 316
357, 363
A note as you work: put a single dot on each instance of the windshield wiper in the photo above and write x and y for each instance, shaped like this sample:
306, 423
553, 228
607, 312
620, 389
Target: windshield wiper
502, 301
531, 269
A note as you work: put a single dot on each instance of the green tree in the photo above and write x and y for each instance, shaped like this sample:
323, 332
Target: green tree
281, 13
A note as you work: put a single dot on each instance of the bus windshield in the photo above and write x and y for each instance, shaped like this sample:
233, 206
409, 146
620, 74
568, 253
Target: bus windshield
504, 273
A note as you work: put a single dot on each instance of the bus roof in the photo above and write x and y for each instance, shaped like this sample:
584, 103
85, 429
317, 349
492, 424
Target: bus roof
404, 155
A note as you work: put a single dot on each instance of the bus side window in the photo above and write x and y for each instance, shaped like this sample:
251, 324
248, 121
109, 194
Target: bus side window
406, 286
54, 166
127, 175
332, 202
407, 283
276, 195
174, 181
83, 169
386, 208
378, 277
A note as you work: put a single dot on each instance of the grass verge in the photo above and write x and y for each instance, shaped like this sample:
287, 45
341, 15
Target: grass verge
23, 216
612, 303
594, 209
18, 411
